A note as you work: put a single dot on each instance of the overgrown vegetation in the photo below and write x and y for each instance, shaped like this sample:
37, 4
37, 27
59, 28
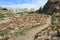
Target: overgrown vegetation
19, 33
2, 16
44, 10
4, 32
22, 32
4, 9
48, 29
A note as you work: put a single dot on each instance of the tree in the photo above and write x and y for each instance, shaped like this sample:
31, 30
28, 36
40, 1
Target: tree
4, 9
45, 9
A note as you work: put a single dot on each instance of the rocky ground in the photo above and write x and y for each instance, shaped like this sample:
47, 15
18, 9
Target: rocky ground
56, 19
9, 26
23, 21
50, 33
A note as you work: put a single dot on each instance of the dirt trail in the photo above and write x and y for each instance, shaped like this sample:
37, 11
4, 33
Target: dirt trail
30, 35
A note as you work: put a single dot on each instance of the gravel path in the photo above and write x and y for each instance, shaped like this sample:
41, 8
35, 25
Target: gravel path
30, 35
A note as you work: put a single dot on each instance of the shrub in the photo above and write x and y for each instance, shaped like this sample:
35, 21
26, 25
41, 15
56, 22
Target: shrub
2, 15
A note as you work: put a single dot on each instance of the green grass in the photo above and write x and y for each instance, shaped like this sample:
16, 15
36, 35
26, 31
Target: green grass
19, 33
23, 32
1, 16
4, 32
35, 37
29, 28
46, 30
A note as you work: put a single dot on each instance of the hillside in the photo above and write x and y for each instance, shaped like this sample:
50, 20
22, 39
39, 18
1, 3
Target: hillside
24, 24
23, 21
19, 25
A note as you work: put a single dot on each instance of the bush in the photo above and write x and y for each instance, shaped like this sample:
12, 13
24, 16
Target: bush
49, 13
2, 15
4, 9
44, 10
19, 33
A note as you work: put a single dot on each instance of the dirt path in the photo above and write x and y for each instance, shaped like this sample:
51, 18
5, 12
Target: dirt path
30, 35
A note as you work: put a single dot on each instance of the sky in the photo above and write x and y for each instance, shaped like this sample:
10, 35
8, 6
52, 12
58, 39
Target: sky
23, 3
